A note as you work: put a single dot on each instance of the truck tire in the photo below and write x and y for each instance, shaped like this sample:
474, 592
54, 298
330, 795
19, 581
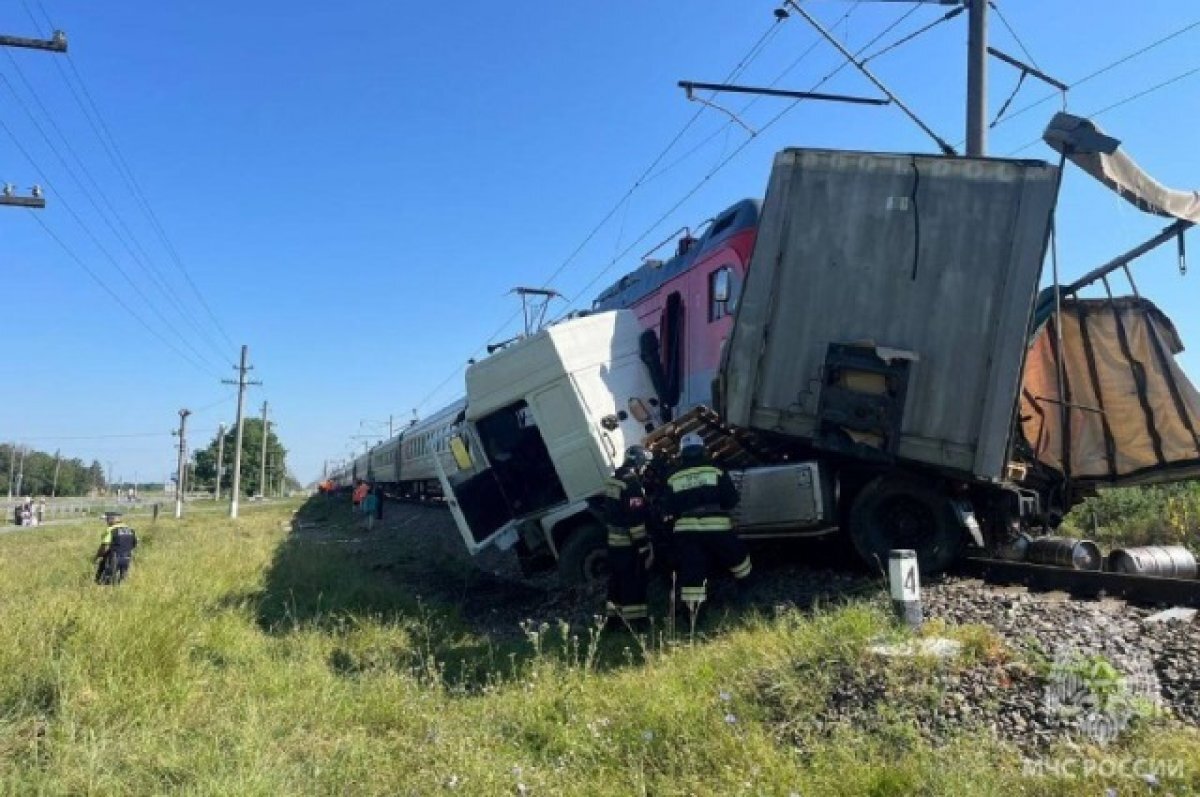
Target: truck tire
583, 557
902, 512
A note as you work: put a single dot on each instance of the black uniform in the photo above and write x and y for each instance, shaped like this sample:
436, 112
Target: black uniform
700, 496
625, 511
115, 554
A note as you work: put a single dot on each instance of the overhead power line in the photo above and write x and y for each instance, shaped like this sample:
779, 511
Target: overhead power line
1104, 69
1012, 32
109, 143
104, 251
115, 296
721, 165
1123, 101
156, 277
739, 68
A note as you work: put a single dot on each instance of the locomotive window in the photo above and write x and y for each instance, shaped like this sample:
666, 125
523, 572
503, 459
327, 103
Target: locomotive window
722, 292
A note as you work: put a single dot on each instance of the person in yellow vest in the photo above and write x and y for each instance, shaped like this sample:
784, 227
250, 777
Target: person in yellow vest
699, 496
625, 511
115, 554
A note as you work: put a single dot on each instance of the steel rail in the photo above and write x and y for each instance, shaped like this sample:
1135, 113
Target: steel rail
1084, 583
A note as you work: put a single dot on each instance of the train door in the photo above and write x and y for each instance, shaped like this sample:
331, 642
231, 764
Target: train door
671, 336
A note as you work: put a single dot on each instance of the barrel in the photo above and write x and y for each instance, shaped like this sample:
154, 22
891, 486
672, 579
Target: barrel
1016, 550
1168, 561
1065, 552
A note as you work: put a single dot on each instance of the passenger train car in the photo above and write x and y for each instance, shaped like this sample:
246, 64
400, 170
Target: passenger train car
404, 466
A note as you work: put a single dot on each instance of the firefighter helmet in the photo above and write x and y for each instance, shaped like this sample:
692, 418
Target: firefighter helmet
637, 456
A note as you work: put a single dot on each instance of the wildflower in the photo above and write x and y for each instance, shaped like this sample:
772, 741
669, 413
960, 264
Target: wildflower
522, 788
647, 736
1150, 779
452, 782
730, 719
516, 770
725, 697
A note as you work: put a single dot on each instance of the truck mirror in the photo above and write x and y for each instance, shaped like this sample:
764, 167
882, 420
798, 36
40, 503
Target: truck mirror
462, 457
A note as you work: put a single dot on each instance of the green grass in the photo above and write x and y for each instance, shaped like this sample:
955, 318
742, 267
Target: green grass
242, 659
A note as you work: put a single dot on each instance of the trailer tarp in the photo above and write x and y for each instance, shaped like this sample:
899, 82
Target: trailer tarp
1133, 416
1085, 145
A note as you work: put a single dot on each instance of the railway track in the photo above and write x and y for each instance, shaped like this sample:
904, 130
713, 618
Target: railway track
1151, 590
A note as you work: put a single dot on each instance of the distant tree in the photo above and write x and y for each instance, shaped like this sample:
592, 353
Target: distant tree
38, 469
205, 459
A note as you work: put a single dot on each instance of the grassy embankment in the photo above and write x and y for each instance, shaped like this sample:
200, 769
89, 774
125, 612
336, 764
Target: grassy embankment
244, 659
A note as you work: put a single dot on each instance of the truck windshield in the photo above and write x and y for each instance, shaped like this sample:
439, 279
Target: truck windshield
520, 460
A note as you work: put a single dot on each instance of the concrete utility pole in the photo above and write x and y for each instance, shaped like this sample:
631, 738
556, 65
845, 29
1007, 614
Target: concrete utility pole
21, 471
977, 78
54, 485
262, 468
220, 459
56, 44
12, 467
977, 53
241, 382
182, 470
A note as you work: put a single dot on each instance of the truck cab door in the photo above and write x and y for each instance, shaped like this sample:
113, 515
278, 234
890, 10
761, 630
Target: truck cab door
475, 497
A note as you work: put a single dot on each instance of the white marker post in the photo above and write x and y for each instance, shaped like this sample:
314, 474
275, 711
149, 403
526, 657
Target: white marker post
904, 578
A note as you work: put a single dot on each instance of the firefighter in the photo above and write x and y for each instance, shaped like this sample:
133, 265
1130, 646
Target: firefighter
699, 496
116, 550
625, 511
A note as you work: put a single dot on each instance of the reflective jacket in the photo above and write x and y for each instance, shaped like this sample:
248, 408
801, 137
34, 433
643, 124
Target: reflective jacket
699, 495
625, 509
119, 540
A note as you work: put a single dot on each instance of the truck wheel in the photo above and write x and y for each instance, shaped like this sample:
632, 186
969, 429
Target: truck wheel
583, 558
898, 512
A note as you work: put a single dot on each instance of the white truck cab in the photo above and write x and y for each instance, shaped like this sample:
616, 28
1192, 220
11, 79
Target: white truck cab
548, 420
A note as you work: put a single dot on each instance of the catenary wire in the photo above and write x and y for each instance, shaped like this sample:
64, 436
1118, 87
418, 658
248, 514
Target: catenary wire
117, 297
1103, 70
729, 159
743, 63
155, 277
1012, 32
109, 143
1123, 101
61, 200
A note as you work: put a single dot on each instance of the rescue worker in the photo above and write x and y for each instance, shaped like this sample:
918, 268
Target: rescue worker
116, 550
699, 496
625, 511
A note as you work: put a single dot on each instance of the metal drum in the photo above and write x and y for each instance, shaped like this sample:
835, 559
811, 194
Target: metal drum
1065, 552
1016, 550
1168, 561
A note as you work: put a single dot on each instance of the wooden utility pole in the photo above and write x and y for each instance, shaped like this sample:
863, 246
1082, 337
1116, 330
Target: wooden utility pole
220, 459
262, 468
57, 43
241, 382
181, 474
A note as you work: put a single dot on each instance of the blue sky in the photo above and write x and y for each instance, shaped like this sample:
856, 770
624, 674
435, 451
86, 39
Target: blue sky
354, 187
